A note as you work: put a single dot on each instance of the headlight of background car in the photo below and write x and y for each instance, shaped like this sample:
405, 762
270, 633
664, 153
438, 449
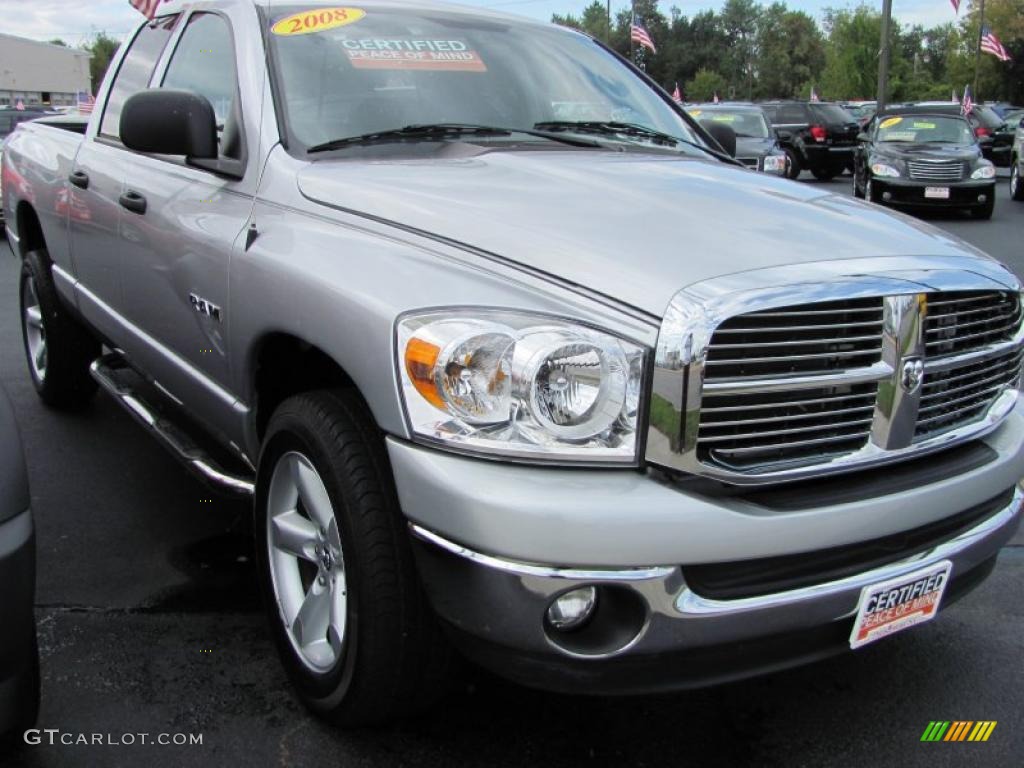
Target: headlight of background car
882, 169
987, 171
520, 385
775, 164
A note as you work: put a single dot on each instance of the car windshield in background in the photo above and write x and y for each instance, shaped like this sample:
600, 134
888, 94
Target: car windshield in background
833, 113
925, 129
378, 70
748, 123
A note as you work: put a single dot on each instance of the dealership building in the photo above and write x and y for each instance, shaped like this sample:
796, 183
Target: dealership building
38, 73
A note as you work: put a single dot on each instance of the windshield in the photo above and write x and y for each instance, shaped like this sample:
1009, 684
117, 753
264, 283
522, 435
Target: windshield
926, 129
748, 123
833, 113
379, 69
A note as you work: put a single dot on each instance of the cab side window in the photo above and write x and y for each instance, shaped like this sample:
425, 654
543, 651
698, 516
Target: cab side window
135, 70
204, 62
791, 114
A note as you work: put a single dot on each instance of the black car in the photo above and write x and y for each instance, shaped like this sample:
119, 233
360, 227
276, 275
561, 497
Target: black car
817, 136
757, 146
916, 158
19, 659
990, 129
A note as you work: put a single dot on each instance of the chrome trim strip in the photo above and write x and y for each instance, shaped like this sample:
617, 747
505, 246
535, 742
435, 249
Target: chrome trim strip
542, 571
877, 372
691, 604
900, 283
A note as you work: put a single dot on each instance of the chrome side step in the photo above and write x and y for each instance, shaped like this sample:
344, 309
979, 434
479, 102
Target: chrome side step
116, 377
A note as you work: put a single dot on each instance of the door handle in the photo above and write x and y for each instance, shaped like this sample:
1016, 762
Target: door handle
79, 179
133, 201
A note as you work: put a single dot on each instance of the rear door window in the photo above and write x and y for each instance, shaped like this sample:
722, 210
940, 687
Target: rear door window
791, 114
833, 113
135, 71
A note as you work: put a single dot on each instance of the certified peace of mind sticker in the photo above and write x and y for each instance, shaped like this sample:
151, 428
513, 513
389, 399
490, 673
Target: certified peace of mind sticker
316, 20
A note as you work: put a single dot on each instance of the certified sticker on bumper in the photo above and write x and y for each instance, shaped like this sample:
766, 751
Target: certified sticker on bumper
894, 605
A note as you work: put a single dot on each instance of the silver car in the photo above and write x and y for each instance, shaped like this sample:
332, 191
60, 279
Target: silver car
511, 358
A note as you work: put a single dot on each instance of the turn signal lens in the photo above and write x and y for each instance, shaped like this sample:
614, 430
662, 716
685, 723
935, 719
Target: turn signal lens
420, 361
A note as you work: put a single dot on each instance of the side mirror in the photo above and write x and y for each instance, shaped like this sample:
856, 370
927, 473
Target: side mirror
723, 134
163, 121
862, 137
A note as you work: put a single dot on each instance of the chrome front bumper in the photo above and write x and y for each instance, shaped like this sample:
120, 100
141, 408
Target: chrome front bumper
497, 607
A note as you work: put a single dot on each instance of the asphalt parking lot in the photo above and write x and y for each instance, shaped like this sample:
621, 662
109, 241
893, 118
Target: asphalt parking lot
149, 622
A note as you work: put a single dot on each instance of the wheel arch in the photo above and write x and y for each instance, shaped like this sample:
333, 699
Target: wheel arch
30, 229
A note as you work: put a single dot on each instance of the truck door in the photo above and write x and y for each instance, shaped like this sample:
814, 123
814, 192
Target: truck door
95, 186
179, 233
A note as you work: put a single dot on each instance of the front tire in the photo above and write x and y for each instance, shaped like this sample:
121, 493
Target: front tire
350, 619
1016, 185
869, 192
793, 167
58, 349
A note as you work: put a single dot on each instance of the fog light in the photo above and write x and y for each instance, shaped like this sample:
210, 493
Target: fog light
571, 610
982, 198
887, 196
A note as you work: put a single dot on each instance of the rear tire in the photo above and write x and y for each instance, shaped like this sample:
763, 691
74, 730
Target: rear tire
58, 349
372, 649
1016, 184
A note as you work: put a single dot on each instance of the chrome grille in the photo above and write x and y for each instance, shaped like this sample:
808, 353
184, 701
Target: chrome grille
749, 388
965, 320
961, 394
747, 429
798, 339
941, 170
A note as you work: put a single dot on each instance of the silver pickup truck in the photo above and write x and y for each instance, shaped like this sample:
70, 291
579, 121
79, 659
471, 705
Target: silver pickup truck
512, 358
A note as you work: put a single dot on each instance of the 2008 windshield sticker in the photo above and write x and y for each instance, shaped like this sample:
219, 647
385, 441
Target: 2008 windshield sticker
316, 20
410, 53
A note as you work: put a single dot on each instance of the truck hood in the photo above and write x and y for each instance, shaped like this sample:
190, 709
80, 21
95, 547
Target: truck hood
633, 226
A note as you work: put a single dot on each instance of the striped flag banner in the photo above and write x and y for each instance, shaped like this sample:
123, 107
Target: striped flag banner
638, 34
147, 8
959, 730
967, 103
956, 6
85, 102
677, 95
991, 44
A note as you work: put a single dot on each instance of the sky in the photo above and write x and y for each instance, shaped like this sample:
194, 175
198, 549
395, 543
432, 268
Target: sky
78, 20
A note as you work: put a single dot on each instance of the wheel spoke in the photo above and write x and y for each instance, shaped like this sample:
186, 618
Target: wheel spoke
41, 358
311, 623
34, 317
294, 534
339, 612
312, 492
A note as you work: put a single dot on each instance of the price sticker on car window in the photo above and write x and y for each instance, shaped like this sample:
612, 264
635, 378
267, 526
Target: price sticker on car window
316, 20
723, 118
924, 126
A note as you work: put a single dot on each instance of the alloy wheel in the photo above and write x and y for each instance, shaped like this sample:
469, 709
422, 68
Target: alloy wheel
307, 564
35, 329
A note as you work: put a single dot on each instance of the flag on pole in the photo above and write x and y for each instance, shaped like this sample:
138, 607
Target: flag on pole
146, 7
677, 95
814, 94
990, 44
20, 106
716, 97
638, 34
956, 6
966, 105
85, 102
954, 99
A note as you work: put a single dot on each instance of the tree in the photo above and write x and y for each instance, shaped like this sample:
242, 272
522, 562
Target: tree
705, 84
102, 47
791, 53
739, 20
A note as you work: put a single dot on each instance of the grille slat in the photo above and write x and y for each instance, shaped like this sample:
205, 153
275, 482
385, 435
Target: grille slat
991, 317
795, 403
948, 170
787, 446
790, 328
830, 424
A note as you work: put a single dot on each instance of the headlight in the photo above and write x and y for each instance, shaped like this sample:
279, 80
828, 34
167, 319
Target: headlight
987, 171
775, 164
881, 169
520, 385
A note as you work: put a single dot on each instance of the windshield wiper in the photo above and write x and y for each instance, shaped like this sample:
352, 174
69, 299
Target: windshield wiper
613, 128
438, 132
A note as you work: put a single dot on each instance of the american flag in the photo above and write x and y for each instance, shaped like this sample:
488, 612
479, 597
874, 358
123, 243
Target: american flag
966, 104
715, 99
638, 34
677, 95
990, 44
814, 94
146, 7
956, 5
85, 102
20, 106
